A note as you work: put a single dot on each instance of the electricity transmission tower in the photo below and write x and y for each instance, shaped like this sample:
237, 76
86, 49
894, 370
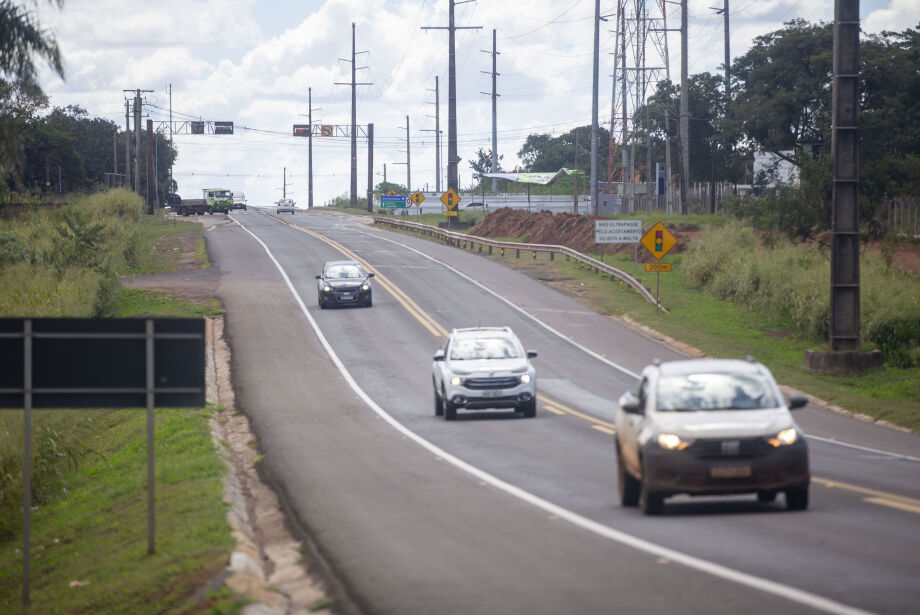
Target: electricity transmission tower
354, 118
640, 61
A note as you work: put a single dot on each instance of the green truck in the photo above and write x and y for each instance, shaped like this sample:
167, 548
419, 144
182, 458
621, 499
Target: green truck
218, 200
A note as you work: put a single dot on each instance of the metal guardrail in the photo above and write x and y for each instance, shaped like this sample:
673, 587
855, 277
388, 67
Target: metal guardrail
470, 242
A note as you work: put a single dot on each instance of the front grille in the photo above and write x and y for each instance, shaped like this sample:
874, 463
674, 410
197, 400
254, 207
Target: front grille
505, 382
747, 448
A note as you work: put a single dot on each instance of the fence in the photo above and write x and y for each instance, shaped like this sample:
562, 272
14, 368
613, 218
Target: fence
904, 217
471, 242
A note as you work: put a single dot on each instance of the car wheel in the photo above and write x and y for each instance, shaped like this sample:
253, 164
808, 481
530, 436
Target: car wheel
529, 409
797, 499
766, 496
321, 302
450, 409
438, 405
369, 302
627, 486
650, 503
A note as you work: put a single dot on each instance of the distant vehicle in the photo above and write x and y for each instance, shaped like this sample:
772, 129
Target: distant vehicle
483, 367
218, 200
709, 427
239, 201
474, 205
285, 205
344, 283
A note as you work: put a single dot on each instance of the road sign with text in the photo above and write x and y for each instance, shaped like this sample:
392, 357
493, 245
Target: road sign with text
393, 201
617, 231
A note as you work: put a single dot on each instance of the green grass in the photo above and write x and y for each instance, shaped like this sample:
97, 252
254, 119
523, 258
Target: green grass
90, 525
134, 303
159, 243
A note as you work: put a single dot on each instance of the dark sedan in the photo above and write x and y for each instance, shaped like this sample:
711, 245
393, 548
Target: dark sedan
344, 283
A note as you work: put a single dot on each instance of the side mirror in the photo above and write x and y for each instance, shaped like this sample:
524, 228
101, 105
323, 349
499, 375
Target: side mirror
797, 401
531, 354
629, 403
370, 275
439, 354
318, 276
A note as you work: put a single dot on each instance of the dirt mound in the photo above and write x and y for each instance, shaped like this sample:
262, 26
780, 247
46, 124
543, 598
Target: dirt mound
576, 232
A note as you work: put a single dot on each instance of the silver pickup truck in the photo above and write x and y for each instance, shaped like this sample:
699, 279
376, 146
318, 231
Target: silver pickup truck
285, 206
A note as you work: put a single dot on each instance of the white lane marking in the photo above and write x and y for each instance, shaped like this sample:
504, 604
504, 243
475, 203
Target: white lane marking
863, 448
790, 593
546, 326
598, 356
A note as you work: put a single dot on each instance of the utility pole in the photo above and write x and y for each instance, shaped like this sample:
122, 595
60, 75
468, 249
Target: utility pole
594, 85
127, 145
494, 113
284, 184
137, 142
437, 136
845, 308
115, 154
310, 149
453, 180
408, 161
151, 180
370, 168
354, 119
170, 134
684, 112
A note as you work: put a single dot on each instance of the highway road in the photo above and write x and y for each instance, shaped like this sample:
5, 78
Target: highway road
495, 514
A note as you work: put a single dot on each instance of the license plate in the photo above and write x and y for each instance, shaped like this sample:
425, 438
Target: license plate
346, 297
733, 470
492, 393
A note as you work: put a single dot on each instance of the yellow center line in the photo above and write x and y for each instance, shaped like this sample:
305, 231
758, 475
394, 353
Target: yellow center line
427, 321
574, 412
874, 495
436, 328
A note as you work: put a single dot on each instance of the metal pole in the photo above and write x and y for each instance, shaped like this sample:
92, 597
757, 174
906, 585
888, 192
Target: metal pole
148, 197
437, 135
453, 181
494, 120
370, 167
115, 154
170, 133
310, 149
408, 160
27, 460
127, 145
684, 111
597, 21
137, 142
354, 125
151, 525
845, 308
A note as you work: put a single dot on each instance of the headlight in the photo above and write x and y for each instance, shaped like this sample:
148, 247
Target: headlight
525, 378
455, 381
327, 289
784, 438
365, 287
671, 442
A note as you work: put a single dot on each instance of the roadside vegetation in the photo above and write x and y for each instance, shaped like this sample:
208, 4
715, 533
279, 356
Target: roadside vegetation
89, 539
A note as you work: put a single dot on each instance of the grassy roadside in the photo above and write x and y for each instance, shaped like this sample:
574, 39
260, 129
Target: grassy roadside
726, 329
89, 538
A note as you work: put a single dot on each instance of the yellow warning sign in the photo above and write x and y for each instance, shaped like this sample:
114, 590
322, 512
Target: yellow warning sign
450, 199
657, 266
417, 198
658, 240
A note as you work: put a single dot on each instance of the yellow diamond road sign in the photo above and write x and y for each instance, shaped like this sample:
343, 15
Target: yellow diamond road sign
658, 240
417, 197
450, 199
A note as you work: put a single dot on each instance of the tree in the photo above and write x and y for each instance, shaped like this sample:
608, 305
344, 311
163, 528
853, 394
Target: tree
483, 162
21, 38
545, 153
782, 93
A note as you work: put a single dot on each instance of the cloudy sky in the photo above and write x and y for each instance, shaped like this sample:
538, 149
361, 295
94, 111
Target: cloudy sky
252, 62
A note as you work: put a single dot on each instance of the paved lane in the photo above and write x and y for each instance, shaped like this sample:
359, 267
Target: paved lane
838, 550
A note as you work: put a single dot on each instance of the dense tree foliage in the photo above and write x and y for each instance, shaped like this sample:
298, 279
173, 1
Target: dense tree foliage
545, 153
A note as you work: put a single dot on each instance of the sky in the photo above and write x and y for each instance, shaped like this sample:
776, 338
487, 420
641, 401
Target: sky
252, 62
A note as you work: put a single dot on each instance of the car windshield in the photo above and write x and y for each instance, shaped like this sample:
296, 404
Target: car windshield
714, 391
344, 272
222, 194
466, 349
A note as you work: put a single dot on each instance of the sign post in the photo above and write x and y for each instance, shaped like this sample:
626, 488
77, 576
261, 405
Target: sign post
98, 363
659, 241
451, 200
417, 199
618, 231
